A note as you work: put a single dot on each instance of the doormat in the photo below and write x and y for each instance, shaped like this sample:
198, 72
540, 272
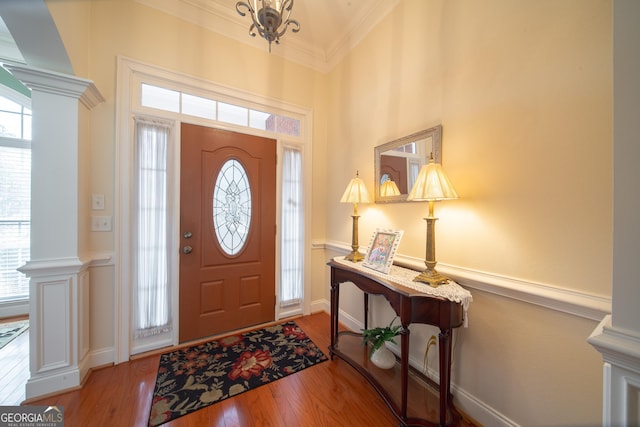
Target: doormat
10, 331
196, 377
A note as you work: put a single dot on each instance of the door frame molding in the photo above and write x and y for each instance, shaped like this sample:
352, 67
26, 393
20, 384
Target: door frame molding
130, 74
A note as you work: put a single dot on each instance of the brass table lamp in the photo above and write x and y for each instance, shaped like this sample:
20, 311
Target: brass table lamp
431, 185
355, 193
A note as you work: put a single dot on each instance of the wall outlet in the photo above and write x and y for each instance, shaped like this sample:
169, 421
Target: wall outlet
100, 223
97, 202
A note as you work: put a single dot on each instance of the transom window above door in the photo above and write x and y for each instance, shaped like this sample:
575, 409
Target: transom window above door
184, 103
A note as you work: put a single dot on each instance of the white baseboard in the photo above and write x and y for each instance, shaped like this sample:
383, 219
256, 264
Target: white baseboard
101, 357
320, 305
485, 415
53, 383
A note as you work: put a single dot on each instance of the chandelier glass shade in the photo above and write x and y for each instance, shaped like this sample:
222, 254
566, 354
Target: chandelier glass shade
270, 18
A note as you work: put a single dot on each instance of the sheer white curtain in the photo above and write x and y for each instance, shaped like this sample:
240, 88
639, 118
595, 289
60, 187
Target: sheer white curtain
292, 233
152, 293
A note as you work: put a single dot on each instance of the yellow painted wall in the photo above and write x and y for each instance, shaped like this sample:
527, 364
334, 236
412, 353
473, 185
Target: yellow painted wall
126, 28
523, 92
95, 33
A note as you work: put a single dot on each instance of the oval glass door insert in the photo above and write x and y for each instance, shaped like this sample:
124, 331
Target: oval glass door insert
232, 207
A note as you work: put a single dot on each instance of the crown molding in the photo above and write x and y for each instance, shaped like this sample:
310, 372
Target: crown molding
360, 28
227, 22
220, 20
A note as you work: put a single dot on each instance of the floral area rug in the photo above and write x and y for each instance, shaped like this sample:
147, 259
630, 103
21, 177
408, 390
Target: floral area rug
196, 377
9, 331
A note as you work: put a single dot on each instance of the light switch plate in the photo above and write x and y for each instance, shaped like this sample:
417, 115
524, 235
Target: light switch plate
97, 202
100, 223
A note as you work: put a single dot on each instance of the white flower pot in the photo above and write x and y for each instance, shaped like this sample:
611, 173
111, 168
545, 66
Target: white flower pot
383, 358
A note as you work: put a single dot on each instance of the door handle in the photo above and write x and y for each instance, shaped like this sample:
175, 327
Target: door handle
187, 250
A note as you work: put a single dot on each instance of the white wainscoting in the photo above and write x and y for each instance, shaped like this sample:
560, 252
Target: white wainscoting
581, 304
58, 336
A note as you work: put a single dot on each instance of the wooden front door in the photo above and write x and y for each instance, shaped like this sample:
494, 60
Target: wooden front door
396, 168
227, 231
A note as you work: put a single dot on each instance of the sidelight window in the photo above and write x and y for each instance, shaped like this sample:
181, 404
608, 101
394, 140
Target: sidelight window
151, 256
292, 236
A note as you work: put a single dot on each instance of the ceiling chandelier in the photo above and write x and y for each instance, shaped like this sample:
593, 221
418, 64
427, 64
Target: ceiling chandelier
269, 18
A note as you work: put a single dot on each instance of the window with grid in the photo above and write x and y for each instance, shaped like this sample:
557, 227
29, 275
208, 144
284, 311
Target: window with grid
15, 198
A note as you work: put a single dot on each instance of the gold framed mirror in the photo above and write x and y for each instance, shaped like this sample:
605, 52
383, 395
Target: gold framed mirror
398, 162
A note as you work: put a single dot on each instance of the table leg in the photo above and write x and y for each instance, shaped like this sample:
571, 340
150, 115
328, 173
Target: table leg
449, 365
404, 369
335, 298
366, 310
445, 372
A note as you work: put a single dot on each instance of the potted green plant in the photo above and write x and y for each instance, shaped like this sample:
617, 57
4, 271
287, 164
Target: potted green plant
379, 354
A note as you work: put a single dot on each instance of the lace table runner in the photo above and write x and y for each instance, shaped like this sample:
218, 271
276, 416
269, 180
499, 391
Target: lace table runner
404, 277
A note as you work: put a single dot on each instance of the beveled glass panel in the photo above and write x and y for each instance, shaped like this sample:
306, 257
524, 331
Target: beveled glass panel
288, 126
232, 207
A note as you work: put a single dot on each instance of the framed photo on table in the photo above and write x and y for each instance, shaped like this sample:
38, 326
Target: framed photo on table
382, 249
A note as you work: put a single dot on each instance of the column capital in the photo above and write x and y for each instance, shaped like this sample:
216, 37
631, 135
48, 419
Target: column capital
57, 83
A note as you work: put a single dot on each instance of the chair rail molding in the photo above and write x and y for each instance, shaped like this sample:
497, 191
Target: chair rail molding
581, 304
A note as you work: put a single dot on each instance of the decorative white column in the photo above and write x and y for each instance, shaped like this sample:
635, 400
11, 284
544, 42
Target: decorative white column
59, 278
618, 336
621, 374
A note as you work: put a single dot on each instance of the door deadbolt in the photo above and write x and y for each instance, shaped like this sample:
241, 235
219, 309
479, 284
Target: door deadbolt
187, 235
187, 250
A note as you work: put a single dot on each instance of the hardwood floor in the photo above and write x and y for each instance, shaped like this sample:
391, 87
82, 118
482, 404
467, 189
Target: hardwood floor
14, 369
328, 394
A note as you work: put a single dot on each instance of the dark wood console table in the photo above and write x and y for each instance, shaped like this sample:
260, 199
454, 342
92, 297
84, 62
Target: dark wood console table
414, 399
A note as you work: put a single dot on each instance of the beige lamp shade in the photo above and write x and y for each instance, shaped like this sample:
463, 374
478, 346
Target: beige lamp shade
389, 188
356, 192
432, 184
